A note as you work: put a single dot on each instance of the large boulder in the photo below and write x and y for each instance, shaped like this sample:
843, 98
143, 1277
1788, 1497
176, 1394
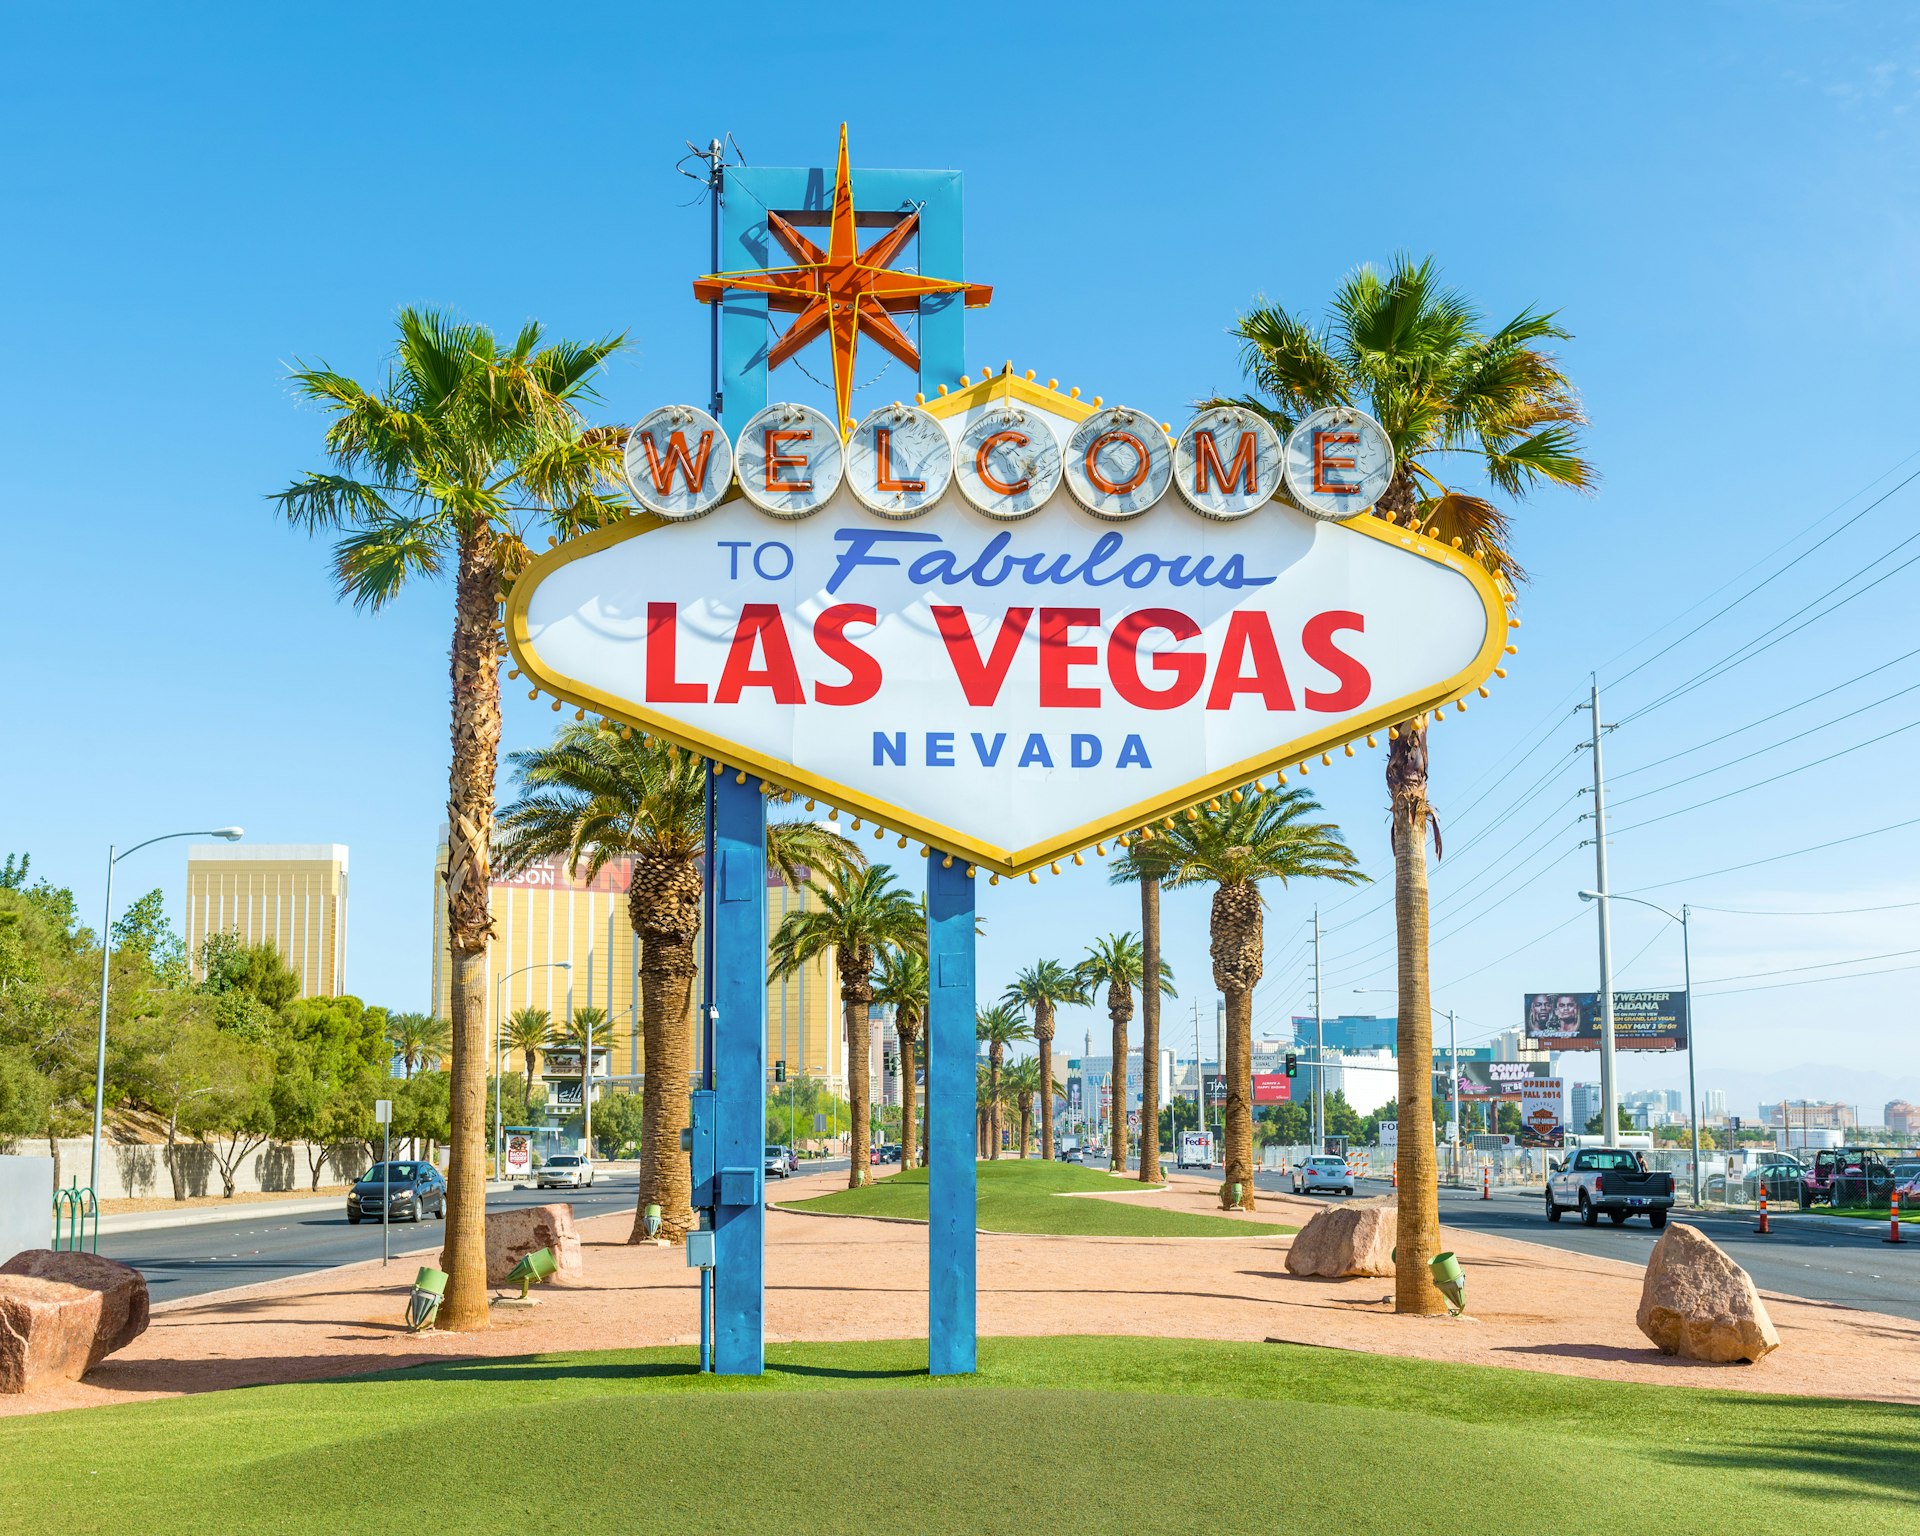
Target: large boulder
61, 1314
1697, 1303
1355, 1239
512, 1235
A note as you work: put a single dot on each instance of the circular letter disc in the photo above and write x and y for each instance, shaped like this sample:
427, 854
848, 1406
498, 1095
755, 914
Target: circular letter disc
789, 460
1118, 463
1226, 462
899, 461
1007, 463
1339, 462
679, 462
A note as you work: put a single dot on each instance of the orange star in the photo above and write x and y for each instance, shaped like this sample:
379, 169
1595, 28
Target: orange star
840, 292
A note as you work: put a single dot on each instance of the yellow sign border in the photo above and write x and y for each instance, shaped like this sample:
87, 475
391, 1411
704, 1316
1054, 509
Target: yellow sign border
1009, 861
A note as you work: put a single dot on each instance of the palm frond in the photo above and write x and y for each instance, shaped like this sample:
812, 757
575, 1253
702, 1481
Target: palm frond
371, 564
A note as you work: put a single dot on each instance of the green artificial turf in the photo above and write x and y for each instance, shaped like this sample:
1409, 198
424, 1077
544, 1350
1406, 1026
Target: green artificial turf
1022, 1195
1081, 1434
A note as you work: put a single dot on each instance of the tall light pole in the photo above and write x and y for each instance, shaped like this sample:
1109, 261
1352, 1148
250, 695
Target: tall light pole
231, 835
1453, 1073
1686, 971
1609, 1089
499, 1041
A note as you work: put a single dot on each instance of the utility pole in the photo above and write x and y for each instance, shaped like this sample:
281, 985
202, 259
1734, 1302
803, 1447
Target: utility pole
1609, 1090
1319, 1047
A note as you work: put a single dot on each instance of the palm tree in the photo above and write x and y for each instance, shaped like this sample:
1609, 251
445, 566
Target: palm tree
861, 913
419, 1040
984, 1090
527, 1032
900, 983
447, 467
999, 1027
1023, 1081
1421, 360
1041, 988
1233, 845
1145, 872
1117, 963
596, 795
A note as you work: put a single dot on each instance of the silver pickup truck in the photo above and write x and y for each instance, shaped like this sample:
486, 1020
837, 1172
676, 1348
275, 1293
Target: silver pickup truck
1613, 1180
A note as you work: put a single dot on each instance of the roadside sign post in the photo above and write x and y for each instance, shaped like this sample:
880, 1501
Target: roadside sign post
383, 1117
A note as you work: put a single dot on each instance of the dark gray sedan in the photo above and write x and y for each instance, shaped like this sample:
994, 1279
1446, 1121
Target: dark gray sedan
398, 1192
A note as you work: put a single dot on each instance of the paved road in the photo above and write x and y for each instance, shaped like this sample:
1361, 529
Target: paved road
218, 1255
215, 1256
1819, 1257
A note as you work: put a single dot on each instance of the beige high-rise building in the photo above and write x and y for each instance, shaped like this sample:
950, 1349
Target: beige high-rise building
292, 894
543, 915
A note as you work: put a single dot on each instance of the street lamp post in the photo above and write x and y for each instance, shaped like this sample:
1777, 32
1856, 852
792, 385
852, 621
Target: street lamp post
1686, 972
229, 834
499, 1055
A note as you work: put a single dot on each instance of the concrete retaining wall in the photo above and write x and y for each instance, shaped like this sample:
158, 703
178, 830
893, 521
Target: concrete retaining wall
139, 1169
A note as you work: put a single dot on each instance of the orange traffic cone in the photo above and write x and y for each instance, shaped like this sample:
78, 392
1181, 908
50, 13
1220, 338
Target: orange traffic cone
1396, 1180
1486, 1182
1763, 1227
1893, 1235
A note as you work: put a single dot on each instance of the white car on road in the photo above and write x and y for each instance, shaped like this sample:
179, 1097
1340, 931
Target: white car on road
566, 1171
1327, 1173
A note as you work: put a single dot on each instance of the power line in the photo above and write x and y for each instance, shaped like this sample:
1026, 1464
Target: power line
1522, 949
1768, 580
1824, 965
1812, 730
1752, 648
1751, 725
1811, 981
1774, 858
1892, 906
1771, 779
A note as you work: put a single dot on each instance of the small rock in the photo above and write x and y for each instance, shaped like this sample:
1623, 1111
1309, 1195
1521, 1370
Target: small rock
1698, 1304
1354, 1239
512, 1235
61, 1314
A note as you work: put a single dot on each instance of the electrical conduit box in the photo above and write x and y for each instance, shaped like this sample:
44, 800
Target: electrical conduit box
698, 1143
740, 1186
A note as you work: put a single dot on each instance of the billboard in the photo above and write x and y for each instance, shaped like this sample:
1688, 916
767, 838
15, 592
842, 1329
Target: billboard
1073, 624
1216, 1089
1272, 1088
1543, 1112
1504, 1082
1642, 1021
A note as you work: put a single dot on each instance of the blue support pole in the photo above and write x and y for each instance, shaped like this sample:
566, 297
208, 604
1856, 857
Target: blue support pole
950, 1099
738, 1067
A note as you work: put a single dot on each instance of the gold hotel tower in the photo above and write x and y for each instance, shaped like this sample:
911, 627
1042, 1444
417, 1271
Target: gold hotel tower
543, 915
294, 894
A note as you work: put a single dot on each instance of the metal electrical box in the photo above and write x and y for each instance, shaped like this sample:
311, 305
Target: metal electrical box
700, 1249
739, 1186
701, 1155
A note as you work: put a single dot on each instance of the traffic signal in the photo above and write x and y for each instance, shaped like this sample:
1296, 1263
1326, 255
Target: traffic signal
780, 1071
1293, 1065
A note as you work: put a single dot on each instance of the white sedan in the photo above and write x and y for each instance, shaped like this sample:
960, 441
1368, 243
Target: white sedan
566, 1171
1323, 1173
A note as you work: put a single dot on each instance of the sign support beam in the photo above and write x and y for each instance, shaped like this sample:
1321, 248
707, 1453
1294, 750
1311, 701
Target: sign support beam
738, 1065
951, 1049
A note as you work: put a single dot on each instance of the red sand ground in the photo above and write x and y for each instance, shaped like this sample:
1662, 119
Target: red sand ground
1531, 1307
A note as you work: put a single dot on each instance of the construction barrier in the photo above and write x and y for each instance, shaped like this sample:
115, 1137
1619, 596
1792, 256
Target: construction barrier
1762, 1224
1893, 1234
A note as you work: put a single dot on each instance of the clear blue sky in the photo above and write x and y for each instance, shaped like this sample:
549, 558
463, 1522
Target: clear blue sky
1717, 198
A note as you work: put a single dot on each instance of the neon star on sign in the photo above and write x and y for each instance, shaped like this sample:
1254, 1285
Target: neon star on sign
1006, 621
841, 292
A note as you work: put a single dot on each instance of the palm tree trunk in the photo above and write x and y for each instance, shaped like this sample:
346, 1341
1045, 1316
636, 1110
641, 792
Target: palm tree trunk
993, 1101
1417, 1225
1120, 1010
1026, 1124
663, 905
909, 1099
475, 676
1043, 1033
1150, 1032
856, 992
1238, 942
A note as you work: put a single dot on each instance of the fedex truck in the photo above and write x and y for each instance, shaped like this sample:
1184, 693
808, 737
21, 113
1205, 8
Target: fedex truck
1195, 1150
